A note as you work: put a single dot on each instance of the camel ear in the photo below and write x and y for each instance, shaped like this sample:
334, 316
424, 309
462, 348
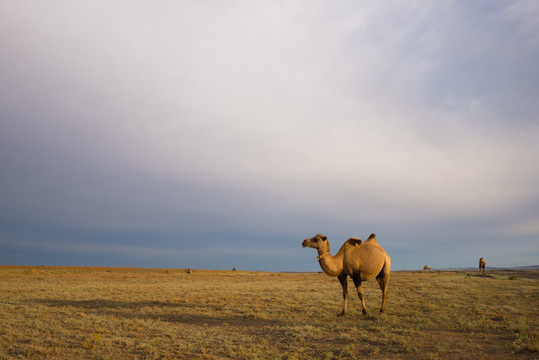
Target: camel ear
372, 236
324, 237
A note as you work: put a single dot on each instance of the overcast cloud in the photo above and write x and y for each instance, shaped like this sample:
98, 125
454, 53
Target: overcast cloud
213, 134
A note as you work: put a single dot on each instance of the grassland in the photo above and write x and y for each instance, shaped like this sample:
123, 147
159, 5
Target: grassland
91, 313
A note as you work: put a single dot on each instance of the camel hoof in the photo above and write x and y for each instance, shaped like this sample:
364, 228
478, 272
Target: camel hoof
340, 314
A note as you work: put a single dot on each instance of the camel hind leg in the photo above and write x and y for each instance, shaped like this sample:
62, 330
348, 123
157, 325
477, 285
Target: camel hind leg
357, 283
383, 281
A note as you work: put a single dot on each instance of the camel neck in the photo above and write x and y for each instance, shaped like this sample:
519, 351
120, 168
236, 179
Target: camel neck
332, 265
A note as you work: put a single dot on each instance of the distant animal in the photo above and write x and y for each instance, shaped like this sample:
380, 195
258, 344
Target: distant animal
482, 264
188, 271
361, 261
234, 269
426, 268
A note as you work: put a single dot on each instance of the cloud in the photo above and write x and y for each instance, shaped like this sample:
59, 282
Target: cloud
163, 254
268, 118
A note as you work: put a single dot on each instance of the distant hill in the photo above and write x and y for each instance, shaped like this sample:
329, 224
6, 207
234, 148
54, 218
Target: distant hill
515, 268
529, 267
521, 268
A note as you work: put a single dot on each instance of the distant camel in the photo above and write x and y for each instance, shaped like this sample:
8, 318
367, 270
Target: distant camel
361, 261
482, 264
426, 268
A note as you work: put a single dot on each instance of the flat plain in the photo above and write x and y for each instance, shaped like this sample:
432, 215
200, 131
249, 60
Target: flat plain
116, 313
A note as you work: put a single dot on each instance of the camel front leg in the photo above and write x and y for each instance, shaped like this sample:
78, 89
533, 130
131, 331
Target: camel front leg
344, 283
357, 283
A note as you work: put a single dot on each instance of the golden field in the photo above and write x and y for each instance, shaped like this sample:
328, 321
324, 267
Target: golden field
113, 313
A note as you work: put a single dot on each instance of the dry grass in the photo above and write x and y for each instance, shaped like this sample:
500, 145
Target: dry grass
67, 313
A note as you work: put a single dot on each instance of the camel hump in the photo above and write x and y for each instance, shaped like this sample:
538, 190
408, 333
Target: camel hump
354, 241
371, 240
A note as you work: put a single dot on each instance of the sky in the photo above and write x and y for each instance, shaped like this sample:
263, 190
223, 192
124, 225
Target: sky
219, 134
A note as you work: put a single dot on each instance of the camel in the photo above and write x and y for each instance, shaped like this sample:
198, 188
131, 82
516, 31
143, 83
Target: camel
426, 268
482, 264
361, 261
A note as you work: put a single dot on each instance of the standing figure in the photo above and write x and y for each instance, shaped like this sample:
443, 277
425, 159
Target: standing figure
361, 260
482, 264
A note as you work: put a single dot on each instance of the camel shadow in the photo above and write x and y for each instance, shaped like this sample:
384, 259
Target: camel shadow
482, 276
181, 313
104, 303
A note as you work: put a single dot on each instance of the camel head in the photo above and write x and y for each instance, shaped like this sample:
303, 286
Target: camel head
317, 242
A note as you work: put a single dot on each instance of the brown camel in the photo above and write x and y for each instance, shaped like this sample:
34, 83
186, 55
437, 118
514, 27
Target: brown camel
361, 261
482, 264
426, 268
